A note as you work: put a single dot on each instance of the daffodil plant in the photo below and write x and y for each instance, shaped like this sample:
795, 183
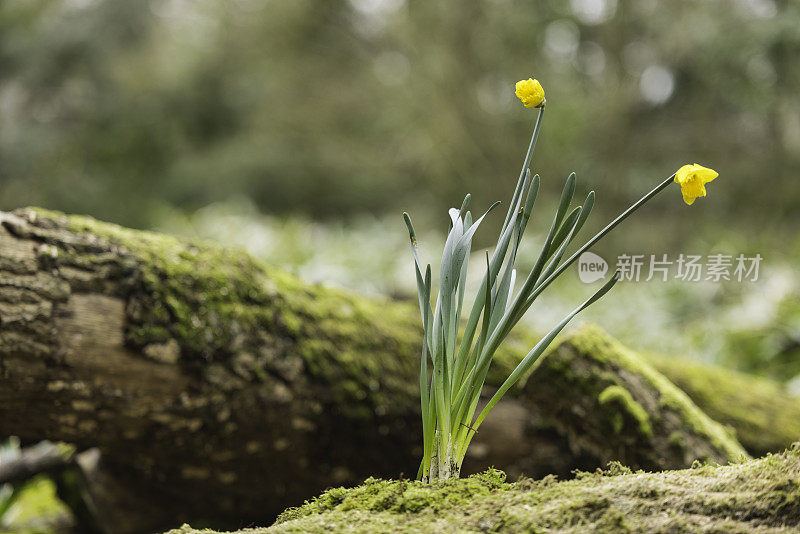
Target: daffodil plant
457, 349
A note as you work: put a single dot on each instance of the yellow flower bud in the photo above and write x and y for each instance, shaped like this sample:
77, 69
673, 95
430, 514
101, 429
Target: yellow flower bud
693, 179
530, 92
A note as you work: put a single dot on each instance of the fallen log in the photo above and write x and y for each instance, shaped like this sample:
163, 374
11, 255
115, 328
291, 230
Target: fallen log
764, 416
220, 389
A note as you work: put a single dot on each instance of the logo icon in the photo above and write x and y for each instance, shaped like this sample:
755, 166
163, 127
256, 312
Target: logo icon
591, 267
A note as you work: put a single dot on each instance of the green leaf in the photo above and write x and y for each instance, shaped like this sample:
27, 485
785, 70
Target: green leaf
508, 320
528, 209
540, 347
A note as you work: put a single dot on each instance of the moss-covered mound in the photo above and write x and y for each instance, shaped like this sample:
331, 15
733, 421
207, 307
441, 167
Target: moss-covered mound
612, 405
754, 496
765, 417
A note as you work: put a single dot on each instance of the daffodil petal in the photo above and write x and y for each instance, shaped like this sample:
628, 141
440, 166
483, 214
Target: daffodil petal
706, 175
683, 173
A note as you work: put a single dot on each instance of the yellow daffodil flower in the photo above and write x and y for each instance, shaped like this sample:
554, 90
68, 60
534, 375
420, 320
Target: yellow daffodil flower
693, 179
530, 92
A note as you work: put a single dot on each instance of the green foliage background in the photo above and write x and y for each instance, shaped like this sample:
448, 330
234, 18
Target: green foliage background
118, 108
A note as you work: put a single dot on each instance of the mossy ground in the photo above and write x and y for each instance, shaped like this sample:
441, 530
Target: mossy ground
760, 495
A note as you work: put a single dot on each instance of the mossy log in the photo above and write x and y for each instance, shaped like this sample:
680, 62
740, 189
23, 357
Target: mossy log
612, 405
764, 416
221, 389
754, 496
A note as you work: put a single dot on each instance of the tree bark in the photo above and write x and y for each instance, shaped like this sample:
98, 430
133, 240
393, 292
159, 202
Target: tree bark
220, 389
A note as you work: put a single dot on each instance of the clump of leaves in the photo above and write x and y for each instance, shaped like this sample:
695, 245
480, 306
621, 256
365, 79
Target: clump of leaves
451, 388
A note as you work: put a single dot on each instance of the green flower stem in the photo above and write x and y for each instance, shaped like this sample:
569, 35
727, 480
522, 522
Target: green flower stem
472, 321
598, 236
528, 156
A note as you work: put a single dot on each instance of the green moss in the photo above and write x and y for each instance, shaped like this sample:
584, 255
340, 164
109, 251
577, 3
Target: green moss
620, 398
217, 302
402, 496
616, 468
765, 417
591, 340
35, 509
753, 496
677, 441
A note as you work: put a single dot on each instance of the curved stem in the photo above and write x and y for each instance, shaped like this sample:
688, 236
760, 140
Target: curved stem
525, 164
598, 236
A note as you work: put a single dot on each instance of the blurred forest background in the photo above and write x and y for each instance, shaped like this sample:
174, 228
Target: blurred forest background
301, 129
